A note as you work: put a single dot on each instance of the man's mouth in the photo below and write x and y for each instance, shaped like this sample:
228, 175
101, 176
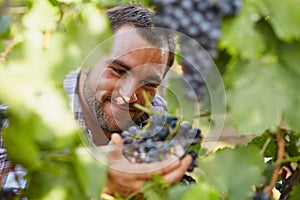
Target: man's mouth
121, 103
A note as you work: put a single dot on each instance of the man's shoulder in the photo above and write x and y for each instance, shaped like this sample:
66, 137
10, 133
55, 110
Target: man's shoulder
159, 103
70, 81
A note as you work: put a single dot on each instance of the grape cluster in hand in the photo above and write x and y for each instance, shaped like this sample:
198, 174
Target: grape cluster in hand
201, 21
164, 137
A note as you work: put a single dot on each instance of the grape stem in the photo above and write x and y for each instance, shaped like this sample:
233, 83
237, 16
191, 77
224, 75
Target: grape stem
151, 112
205, 114
174, 131
263, 149
277, 167
288, 160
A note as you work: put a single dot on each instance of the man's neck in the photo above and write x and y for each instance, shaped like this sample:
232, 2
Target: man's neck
98, 134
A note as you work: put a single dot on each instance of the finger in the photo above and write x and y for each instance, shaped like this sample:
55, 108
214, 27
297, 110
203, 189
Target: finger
145, 171
115, 155
163, 167
176, 174
117, 140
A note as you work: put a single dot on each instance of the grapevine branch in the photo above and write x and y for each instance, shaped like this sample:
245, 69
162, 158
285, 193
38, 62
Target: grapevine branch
280, 156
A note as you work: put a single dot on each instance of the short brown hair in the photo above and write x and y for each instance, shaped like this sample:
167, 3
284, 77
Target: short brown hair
143, 19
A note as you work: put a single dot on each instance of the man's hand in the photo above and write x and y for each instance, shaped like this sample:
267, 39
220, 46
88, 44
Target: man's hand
125, 178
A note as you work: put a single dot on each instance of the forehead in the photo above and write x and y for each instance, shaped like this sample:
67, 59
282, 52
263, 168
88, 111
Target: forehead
130, 47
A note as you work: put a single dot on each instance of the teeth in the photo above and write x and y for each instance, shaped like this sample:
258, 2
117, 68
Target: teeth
122, 100
119, 100
127, 99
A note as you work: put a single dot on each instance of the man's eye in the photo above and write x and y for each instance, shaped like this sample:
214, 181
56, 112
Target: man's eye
119, 71
148, 84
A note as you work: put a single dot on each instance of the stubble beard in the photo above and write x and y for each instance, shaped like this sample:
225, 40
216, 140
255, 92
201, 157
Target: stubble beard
98, 107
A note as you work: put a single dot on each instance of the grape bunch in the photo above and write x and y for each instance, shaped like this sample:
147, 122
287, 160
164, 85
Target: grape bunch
163, 137
261, 196
201, 21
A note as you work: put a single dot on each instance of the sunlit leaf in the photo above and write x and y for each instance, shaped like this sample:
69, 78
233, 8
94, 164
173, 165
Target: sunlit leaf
42, 16
90, 172
260, 93
239, 35
285, 18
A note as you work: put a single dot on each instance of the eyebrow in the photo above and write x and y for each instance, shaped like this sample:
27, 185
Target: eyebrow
121, 63
154, 78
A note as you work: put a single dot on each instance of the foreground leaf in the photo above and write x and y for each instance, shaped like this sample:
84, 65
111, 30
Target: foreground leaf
226, 170
295, 193
261, 92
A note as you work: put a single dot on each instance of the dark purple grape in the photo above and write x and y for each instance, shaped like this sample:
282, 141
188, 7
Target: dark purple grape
261, 196
186, 179
162, 139
200, 20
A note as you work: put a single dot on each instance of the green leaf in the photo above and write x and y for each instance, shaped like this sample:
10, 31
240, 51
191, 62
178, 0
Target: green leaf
285, 18
201, 191
177, 192
260, 92
78, 51
289, 57
226, 170
90, 172
42, 16
56, 180
288, 53
291, 143
155, 188
295, 193
178, 103
19, 135
260, 141
239, 35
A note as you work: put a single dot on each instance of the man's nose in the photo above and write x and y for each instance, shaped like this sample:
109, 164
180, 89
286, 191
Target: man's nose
128, 90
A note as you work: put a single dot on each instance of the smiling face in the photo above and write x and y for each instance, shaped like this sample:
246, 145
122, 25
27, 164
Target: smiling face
114, 85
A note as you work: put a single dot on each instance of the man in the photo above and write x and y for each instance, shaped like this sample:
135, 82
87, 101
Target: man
103, 96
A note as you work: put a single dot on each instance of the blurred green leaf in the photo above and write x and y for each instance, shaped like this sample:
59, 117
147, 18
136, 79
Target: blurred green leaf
42, 16
295, 193
56, 180
261, 92
239, 35
178, 102
198, 190
177, 191
285, 18
221, 169
289, 57
91, 173
20, 136
201, 191
155, 188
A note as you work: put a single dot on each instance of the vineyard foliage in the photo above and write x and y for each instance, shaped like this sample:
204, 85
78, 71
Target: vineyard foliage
258, 57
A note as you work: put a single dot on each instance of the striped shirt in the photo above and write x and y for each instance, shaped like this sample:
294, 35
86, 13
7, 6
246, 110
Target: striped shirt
9, 174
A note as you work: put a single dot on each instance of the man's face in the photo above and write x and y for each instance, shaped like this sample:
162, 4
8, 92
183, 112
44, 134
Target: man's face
117, 83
